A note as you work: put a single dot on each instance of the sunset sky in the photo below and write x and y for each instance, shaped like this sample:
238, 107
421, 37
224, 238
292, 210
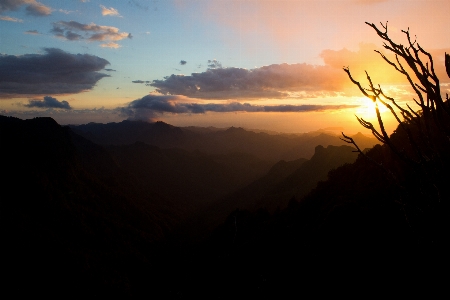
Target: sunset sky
266, 64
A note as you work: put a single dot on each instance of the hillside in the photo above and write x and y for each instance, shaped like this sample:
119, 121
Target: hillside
120, 219
269, 147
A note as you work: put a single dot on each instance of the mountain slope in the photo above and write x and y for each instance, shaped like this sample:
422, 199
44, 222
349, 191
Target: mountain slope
270, 147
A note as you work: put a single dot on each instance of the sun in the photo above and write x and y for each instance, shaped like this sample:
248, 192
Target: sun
367, 107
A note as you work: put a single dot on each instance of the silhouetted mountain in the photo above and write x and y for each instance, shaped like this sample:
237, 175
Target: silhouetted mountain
135, 218
187, 180
65, 223
270, 147
287, 180
129, 132
365, 220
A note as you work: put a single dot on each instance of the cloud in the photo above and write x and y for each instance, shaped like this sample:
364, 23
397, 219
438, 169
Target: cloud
34, 8
10, 19
140, 81
73, 30
55, 72
214, 64
66, 12
291, 80
49, 102
273, 81
183, 62
110, 70
38, 9
109, 11
35, 32
110, 45
151, 106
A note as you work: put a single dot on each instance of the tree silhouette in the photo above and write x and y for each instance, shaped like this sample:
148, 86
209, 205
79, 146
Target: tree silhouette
420, 146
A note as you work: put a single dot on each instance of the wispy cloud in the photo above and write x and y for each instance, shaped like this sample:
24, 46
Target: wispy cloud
10, 19
110, 11
73, 30
34, 32
55, 72
48, 102
66, 12
110, 45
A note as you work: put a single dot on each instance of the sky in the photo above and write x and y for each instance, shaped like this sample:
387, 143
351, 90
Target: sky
262, 64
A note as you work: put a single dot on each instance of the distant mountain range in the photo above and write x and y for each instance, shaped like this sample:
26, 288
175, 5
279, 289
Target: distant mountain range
270, 147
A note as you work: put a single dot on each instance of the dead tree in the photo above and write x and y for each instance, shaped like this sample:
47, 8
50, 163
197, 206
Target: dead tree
425, 130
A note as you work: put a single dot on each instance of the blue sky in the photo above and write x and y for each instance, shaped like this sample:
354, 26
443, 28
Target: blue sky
255, 63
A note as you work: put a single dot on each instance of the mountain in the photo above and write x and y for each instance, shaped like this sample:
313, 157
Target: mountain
188, 180
286, 181
70, 216
135, 218
128, 132
270, 147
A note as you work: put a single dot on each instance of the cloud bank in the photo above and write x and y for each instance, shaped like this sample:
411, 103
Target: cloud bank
290, 80
55, 72
274, 81
49, 102
151, 106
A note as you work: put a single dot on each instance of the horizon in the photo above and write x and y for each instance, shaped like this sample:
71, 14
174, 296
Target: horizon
266, 65
327, 130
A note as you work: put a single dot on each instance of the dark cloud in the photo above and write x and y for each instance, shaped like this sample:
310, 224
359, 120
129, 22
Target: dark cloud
73, 30
151, 106
55, 72
34, 8
38, 9
140, 81
183, 62
71, 36
110, 70
11, 4
274, 81
49, 102
214, 64
35, 32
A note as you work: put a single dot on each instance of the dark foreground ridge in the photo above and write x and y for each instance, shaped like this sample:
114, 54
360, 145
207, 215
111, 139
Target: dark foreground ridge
134, 220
